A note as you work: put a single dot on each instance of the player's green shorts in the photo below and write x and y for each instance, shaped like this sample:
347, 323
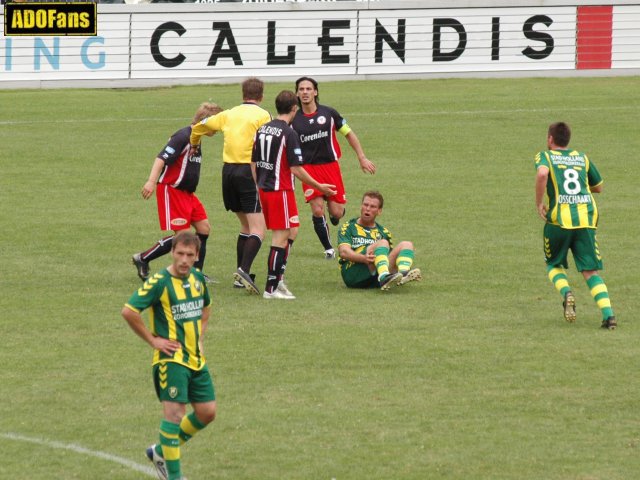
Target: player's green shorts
582, 243
177, 383
358, 275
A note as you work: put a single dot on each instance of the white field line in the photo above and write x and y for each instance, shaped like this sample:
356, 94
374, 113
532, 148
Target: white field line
147, 470
359, 114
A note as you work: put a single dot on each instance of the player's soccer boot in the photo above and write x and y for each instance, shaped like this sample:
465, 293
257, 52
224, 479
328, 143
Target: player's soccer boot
238, 284
209, 279
158, 462
278, 294
329, 254
282, 287
390, 280
244, 278
412, 275
569, 305
610, 323
141, 266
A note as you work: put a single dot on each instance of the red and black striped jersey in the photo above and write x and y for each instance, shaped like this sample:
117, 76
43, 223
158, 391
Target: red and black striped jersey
317, 134
182, 166
275, 149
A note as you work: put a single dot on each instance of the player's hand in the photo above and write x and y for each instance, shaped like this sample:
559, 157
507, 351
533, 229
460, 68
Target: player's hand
147, 189
371, 257
166, 346
328, 189
367, 166
542, 211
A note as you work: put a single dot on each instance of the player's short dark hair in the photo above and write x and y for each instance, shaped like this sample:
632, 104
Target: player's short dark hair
561, 133
252, 89
374, 194
206, 109
285, 101
313, 82
187, 238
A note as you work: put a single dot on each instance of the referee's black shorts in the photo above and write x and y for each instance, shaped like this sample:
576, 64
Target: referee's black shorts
239, 192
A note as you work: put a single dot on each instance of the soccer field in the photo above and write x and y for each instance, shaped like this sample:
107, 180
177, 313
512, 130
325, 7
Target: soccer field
471, 374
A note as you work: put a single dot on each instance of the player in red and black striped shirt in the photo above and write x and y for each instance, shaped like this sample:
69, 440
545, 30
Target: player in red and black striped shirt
175, 175
316, 126
276, 158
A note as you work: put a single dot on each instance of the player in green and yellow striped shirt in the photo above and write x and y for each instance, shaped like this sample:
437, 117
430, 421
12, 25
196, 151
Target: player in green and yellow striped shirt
569, 178
368, 258
179, 303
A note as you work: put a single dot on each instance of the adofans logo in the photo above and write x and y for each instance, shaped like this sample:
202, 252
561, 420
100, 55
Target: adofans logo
75, 18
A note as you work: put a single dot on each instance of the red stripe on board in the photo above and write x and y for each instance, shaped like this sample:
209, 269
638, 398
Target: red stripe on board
594, 37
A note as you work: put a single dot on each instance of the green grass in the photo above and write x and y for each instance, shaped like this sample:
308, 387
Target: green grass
472, 374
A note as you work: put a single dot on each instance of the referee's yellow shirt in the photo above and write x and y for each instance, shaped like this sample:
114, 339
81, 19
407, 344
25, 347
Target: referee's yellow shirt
239, 125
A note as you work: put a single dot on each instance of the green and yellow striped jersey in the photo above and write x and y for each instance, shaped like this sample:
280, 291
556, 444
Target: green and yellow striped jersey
571, 174
176, 313
359, 238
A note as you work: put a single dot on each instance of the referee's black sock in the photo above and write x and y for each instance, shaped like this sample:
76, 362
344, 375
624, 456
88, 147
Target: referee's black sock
251, 248
203, 251
322, 230
242, 239
162, 247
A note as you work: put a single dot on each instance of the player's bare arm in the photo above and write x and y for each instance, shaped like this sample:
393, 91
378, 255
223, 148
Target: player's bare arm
541, 185
150, 185
366, 165
134, 319
346, 253
304, 176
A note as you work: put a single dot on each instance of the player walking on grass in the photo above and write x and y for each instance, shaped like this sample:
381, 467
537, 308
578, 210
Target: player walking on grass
179, 315
368, 258
239, 126
276, 158
571, 217
176, 174
316, 126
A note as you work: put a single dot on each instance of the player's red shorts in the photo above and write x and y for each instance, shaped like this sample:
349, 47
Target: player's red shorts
177, 209
325, 173
279, 209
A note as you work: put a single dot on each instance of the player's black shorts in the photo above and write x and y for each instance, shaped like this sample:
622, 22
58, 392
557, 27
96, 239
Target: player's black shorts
239, 192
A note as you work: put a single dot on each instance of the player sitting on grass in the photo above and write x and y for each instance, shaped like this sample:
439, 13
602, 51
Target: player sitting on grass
367, 256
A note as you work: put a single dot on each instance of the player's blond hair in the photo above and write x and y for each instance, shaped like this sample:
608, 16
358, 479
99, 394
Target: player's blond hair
206, 109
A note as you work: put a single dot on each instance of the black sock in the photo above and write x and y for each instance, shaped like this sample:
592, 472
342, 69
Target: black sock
251, 248
162, 247
287, 249
203, 251
274, 266
336, 220
242, 239
322, 230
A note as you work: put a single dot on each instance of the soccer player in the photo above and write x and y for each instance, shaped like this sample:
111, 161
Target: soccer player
179, 316
239, 126
176, 172
571, 217
368, 258
276, 158
317, 126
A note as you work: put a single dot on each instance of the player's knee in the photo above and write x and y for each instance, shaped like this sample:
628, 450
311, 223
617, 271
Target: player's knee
203, 228
405, 245
207, 414
336, 210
